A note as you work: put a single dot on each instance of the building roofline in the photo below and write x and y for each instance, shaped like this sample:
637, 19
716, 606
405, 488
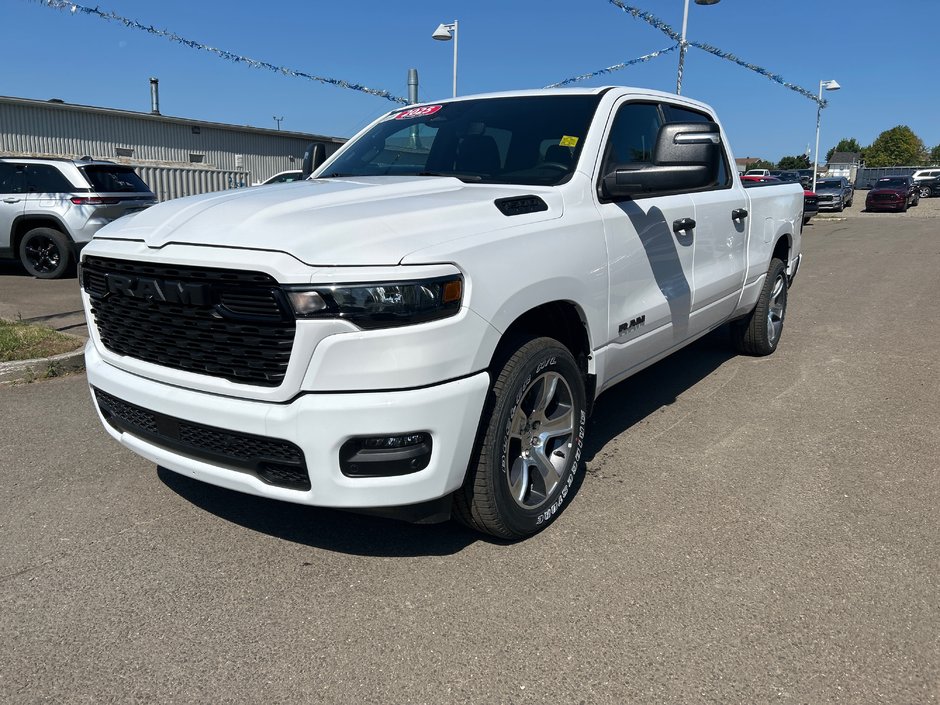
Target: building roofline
55, 105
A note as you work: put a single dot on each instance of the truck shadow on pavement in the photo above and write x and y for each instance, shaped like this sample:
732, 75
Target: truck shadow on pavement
328, 529
363, 534
657, 386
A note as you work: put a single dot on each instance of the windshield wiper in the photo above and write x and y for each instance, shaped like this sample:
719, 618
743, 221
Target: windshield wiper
462, 177
335, 174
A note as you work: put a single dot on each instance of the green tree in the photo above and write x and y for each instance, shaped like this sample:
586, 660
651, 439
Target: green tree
898, 146
845, 145
761, 164
800, 161
935, 155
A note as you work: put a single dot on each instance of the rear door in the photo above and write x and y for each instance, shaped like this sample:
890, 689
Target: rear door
720, 242
12, 203
47, 190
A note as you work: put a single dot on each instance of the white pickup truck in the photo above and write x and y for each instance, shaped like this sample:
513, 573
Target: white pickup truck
428, 319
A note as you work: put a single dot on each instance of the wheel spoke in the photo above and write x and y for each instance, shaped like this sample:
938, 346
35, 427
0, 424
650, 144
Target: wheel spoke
519, 479
546, 469
519, 421
778, 289
546, 394
561, 425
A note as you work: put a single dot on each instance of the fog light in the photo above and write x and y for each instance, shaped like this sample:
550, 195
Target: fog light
380, 456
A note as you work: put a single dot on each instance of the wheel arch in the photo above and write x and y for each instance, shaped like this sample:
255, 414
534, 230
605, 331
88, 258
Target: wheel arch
24, 223
561, 319
782, 248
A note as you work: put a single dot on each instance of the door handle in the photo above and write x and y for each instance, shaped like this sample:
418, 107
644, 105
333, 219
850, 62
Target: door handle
682, 224
739, 214
11, 200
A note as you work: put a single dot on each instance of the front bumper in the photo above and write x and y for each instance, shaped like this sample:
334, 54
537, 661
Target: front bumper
893, 205
318, 424
833, 205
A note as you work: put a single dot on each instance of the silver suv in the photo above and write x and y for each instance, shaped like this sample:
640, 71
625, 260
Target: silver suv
51, 208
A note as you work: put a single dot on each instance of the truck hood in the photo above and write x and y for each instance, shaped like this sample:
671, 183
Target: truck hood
352, 221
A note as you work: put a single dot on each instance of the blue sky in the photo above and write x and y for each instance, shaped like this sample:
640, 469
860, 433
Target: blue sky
884, 54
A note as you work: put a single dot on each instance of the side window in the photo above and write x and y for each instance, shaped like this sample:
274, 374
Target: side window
632, 136
676, 114
11, 178
42, 178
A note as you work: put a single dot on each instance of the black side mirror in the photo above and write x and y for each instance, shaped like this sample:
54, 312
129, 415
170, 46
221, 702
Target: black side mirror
313, 158
686, 157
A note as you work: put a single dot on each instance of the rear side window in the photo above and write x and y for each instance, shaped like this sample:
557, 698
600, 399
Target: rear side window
43, 178
114, 179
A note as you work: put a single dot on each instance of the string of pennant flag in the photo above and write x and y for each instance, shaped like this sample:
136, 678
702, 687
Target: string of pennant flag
635, 12
615, 67
666, 29
75, 8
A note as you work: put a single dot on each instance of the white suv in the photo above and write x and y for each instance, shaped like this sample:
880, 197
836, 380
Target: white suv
51, 208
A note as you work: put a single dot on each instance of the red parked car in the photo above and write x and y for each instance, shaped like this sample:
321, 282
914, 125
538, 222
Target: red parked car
892, 193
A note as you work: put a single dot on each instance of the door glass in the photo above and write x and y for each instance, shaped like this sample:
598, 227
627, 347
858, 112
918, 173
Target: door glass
42, 178
11, 178
632, 135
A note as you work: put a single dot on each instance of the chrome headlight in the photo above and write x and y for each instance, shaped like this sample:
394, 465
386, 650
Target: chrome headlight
380, 305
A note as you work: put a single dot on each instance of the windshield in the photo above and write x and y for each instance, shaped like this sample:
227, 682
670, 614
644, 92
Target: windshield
521, 140
115, 179
892, 183
828, 184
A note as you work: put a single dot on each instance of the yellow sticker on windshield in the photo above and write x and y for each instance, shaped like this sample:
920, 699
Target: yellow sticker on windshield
568, 141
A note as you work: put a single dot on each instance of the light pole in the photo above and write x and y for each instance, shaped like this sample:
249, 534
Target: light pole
443, 34
683, 43
829, 86
278, 120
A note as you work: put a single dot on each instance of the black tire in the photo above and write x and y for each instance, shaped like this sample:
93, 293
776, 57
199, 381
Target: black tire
924, 192
759, 333
841, 207
526, 457
45, 253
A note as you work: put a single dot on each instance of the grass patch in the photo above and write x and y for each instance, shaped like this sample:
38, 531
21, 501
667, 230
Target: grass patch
26, 341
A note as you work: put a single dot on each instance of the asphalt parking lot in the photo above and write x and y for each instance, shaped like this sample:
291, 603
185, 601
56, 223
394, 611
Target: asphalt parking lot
747, 531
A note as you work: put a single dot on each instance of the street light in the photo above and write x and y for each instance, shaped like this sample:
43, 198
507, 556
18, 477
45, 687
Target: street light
829, 86
683, 43
443, 34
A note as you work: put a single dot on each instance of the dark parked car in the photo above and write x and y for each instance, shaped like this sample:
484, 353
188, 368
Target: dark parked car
835, 193
928, 187
892, 193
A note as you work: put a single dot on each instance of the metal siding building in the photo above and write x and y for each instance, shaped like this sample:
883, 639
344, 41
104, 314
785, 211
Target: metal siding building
176, 156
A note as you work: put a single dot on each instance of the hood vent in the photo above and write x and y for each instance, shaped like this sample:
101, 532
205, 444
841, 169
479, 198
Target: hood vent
520, 205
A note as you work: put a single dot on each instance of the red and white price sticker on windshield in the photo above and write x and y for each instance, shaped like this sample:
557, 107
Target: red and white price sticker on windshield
423, 111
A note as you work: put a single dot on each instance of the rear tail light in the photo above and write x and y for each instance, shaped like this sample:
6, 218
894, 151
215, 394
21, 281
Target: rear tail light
94, 201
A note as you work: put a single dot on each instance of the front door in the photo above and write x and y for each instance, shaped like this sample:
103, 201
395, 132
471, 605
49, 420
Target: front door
651, 265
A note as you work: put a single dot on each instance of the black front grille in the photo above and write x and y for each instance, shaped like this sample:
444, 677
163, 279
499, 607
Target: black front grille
274, 461
220, 322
